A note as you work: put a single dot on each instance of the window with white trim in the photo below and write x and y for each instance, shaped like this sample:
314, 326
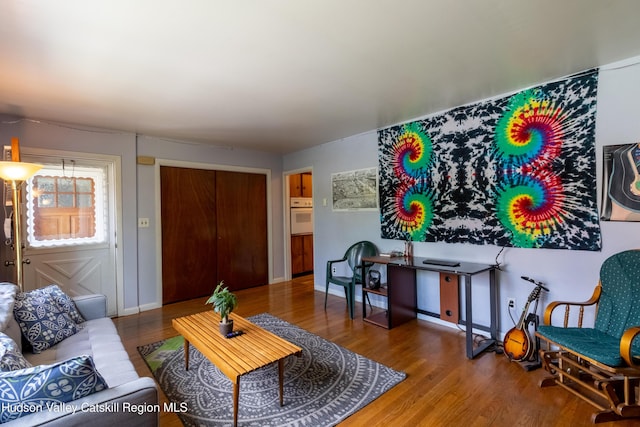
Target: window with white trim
64, 209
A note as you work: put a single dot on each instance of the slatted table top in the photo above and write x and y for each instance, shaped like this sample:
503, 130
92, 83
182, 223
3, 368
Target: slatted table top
236, 356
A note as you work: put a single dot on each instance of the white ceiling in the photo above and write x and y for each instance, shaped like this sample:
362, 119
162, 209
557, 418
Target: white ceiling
282, 75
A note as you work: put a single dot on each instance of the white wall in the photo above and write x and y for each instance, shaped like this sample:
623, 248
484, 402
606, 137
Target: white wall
570, 275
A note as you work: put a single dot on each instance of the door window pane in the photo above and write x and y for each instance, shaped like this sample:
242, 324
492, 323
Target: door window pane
65, 210
85, 200
65, 185
84, 185
46, 200
46, 185
65, 200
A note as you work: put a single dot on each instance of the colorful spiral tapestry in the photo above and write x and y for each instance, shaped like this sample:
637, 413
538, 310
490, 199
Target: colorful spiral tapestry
516, 171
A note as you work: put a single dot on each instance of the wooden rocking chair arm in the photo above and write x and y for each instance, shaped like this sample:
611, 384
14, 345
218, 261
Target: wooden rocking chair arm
626, 346
567, 304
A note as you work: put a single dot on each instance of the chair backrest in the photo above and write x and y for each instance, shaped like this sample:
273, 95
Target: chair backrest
619, 305
354, 255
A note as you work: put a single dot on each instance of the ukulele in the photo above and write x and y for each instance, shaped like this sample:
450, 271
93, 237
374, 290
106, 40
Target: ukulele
517, 342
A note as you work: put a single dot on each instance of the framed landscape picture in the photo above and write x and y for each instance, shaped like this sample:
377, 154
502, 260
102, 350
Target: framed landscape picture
355, 190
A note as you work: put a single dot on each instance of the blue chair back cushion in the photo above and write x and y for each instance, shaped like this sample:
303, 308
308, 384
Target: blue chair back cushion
619, 306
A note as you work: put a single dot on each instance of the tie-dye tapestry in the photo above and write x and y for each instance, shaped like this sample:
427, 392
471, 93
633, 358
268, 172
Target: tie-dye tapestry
516, 171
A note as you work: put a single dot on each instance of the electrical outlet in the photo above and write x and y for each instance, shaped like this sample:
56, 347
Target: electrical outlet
511, 302
333, 269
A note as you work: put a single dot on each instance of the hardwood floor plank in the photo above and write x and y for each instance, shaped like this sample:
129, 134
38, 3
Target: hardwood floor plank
443, 387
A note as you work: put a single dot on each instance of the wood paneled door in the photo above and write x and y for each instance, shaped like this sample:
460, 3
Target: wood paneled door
214, 227
242, 229
189, 249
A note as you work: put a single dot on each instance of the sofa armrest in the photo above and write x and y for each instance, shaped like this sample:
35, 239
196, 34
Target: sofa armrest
91, 306
131, 404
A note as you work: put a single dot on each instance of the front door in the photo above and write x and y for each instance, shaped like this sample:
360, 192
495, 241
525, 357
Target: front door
70, 226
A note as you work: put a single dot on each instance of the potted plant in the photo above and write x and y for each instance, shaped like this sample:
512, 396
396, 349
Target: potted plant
223, 302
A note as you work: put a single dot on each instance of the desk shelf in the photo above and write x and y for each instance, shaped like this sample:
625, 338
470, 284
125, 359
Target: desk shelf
400, 299
377, 316
382, 290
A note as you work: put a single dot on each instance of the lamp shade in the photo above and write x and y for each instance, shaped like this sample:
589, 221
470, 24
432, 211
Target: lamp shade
18, 171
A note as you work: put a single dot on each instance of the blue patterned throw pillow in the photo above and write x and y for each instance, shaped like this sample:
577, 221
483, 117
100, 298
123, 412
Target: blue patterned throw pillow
63, 300
41, 320
45, 387
11, 357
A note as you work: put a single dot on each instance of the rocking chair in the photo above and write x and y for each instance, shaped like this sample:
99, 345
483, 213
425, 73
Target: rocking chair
600, 364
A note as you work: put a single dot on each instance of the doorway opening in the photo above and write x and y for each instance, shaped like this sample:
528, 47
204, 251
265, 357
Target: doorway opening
299, 223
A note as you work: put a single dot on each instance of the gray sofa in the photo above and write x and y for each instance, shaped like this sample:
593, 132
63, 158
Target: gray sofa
130, 400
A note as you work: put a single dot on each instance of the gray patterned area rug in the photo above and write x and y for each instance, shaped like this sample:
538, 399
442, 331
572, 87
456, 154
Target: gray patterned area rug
321, 388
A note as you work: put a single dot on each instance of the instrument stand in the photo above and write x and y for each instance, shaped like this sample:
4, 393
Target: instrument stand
534, 361
524, 343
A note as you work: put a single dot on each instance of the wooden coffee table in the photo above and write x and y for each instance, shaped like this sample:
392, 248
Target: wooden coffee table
236, 356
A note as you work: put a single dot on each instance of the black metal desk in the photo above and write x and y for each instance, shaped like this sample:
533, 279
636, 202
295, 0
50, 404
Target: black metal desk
402, 276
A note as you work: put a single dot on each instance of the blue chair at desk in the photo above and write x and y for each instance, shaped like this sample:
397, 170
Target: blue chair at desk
353, 257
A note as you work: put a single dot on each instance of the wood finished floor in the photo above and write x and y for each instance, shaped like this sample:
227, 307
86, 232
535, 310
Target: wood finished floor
443, 387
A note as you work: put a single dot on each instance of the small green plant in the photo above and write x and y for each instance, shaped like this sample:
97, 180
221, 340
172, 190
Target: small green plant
223, 301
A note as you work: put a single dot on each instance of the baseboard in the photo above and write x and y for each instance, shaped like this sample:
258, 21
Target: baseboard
129, 311
150, 306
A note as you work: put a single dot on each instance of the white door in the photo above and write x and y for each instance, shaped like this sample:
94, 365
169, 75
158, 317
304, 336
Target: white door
70, 225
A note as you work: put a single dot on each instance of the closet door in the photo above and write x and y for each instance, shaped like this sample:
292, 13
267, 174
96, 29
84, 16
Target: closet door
241, 201
189, 239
